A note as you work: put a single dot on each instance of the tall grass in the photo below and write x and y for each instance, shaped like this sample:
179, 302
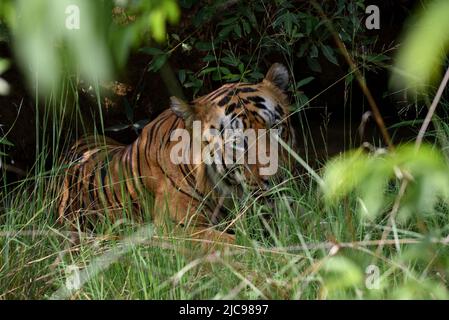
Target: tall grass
297, 249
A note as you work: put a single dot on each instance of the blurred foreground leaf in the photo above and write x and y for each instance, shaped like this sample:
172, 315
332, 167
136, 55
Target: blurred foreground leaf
424, 48
368, 176
53, 38
341, 273
4, 85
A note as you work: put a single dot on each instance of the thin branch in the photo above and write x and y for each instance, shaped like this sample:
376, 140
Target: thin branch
392, 216
10, 168
330, 245
432, 109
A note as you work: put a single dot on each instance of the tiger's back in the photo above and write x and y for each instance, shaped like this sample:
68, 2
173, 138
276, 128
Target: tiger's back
104, 175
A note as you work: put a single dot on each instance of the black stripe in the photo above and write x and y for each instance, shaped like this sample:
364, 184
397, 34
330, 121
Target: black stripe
91, 186
246, 90
257, 116
224, 101
103, 173
256, 99
230, 108
279, 110
139, 173
260, 105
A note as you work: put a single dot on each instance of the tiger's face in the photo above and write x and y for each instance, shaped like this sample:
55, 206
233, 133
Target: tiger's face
240, 126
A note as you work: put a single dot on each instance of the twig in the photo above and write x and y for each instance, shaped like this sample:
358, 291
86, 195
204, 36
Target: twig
19, 172
432, 109
392, 216
317, 246
354, 244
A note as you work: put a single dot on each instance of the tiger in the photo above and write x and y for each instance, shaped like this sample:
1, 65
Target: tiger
102, 172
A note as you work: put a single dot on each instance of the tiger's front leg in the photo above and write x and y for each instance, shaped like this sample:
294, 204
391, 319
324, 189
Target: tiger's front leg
183, 211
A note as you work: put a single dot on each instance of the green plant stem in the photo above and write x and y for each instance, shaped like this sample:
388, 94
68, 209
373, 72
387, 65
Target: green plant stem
431, 112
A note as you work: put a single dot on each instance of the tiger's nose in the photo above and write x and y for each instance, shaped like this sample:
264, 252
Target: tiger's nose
265, 184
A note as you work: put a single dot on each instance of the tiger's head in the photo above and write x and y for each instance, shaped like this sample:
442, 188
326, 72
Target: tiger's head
239, 127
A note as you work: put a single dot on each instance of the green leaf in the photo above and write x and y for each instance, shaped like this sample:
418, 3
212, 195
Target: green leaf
372, 189
252, 18
224, 33
377, 58
208, 70
341, 273
313, 65
424, 49
313, 51
227, 22
152, 51
158, 62
302, 50
6, 142
204, 46
309, 26
246, 27
224, 70
231, 77
368, 175
329, 54
230, 61
241, 68
4, 65
421, 289
343, 174
204, 15
303, 100
182, 75
157, 24
171, 10
348, 79
209, 58
303, 82
256, 75
5, 88
238, 30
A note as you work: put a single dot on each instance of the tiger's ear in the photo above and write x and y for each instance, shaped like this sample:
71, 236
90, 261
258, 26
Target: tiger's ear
181, 108
278, 75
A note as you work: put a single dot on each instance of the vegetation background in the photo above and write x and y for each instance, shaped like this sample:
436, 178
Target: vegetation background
369, 223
